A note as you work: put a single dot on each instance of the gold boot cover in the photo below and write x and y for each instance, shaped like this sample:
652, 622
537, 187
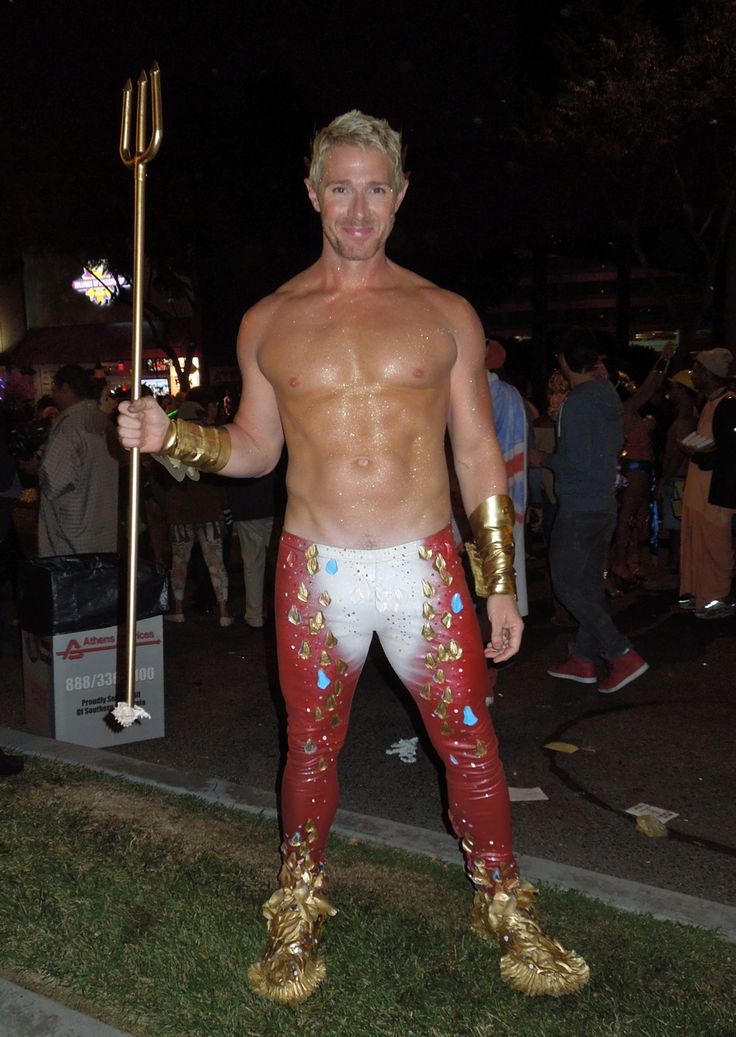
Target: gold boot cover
291, 968
532, 962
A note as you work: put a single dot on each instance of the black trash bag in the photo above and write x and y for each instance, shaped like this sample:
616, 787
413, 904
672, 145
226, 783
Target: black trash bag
65, 593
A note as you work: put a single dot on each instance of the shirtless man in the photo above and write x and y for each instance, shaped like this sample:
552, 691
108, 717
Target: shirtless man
360, 366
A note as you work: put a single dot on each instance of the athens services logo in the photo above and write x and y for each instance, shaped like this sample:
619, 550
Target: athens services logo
75, 650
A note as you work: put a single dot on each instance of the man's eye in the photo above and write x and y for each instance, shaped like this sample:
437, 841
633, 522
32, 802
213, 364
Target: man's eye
339, 189
379, 189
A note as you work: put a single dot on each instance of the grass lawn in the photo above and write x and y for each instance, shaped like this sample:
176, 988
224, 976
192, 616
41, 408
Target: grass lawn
143, 910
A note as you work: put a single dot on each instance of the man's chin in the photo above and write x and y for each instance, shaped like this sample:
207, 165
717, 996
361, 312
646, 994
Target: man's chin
354, 249
358, 250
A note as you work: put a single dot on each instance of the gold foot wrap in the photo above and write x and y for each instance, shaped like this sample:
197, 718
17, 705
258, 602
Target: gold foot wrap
532, 962
291, 968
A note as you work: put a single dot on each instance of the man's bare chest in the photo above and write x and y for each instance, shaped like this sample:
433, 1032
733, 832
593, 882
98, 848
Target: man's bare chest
360, 348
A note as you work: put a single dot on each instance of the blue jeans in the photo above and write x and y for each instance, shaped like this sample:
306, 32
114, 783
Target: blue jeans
577, 555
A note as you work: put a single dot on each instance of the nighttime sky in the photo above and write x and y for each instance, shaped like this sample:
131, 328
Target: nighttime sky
337, 55
245, 85
439, 75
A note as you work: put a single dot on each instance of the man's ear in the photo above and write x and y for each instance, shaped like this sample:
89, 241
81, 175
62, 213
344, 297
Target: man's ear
400, 196
311, 191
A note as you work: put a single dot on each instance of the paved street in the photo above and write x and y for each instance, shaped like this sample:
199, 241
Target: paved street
666, 740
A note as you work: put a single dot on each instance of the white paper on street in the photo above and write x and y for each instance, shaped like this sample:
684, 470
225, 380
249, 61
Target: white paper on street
526, 795
405, 749
659, 812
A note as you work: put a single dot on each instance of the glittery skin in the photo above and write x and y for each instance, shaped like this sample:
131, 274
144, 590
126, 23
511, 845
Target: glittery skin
414, 596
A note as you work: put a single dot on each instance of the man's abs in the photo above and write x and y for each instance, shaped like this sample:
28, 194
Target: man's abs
366, 500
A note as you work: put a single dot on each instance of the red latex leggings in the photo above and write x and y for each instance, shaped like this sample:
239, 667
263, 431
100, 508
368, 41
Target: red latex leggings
329, 601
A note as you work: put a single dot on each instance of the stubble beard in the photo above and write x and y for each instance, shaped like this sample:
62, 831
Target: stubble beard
356, 250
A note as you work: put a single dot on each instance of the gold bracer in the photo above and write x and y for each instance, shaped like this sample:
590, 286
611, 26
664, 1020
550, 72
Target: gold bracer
199, 446
491, 557
532, 962
291, 968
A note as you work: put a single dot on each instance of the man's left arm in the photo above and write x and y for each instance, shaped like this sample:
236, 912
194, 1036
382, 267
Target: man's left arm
58, 473
481, 474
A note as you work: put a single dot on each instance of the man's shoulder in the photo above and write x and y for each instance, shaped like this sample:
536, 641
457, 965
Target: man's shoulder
451, 301
598, 389
300, 286
597, 397
449, 308
311, 282
504, 390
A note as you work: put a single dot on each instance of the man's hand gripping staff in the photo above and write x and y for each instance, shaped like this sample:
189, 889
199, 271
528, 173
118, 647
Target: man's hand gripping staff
144, 425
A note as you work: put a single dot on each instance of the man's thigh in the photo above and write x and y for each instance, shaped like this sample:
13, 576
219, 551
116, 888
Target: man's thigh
579, 545
323, 632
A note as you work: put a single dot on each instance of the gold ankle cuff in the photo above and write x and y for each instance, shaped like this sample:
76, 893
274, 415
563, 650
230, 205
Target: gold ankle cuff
199, 446
491, 557
292, 968
532, 962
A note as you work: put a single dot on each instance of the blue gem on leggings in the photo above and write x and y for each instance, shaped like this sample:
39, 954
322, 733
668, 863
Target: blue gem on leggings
453, 760
456, 604
323, 681
331, 567
469, 717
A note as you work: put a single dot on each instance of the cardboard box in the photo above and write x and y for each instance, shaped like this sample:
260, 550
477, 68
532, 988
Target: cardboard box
71, 683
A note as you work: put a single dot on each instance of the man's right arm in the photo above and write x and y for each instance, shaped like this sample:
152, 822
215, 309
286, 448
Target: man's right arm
256, 435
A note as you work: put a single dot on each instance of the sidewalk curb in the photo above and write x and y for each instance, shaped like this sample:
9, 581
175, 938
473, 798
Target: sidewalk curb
632, 897
24, 1012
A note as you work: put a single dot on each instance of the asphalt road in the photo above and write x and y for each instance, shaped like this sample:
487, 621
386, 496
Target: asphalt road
666, 739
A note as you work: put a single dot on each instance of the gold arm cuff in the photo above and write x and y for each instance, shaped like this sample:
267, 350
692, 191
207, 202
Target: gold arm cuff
199, 446
491, 557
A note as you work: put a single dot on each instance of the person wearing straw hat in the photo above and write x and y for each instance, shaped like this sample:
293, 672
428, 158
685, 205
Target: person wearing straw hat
709, 502
361, 367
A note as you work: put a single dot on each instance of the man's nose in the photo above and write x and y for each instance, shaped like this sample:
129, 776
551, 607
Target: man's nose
358, 204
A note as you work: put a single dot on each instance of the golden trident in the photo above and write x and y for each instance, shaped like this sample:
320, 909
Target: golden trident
145, 151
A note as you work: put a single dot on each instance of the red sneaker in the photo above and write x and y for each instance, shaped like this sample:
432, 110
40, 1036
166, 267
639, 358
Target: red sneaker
575, 669
624, 669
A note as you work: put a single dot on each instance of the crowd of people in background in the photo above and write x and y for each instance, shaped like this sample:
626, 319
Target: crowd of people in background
69, 489
665, 513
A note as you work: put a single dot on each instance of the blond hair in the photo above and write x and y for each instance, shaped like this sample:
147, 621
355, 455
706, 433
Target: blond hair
361, 131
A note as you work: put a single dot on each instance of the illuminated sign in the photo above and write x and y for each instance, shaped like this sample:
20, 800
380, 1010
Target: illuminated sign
99, 284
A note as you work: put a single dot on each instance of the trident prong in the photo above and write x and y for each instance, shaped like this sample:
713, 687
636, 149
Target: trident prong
145, 151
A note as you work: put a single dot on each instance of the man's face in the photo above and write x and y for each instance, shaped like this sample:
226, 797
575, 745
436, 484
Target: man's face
62, 396
356, 201
700, 377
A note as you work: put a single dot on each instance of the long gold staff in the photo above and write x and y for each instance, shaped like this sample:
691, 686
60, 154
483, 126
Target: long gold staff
126, 713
